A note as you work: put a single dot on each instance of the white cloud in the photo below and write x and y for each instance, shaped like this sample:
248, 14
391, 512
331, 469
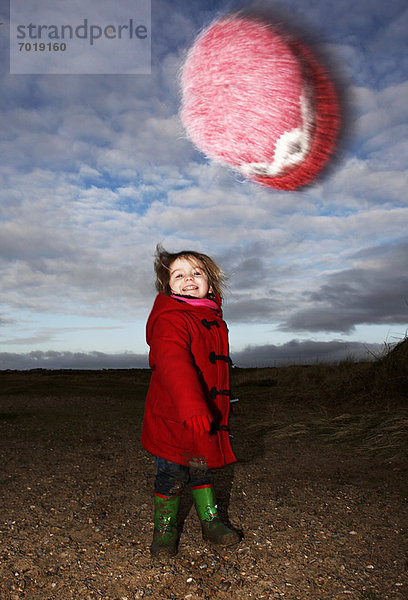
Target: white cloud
305, 352
95, 171
373, 290
71, 360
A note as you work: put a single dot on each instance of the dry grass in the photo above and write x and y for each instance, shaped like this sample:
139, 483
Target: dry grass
383, 434
362, 404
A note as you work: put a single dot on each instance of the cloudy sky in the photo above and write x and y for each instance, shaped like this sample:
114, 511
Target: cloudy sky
96, 170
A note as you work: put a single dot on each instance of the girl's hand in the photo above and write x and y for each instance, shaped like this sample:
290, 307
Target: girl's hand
200, 424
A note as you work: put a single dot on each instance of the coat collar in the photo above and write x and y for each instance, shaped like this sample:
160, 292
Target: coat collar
202, 302
164, 304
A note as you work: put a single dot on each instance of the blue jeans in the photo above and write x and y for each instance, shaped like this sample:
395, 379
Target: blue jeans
172, 478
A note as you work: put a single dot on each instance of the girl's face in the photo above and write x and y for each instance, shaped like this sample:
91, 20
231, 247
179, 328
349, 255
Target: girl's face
188, 278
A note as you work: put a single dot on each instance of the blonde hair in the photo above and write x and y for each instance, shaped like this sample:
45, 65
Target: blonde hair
163, 260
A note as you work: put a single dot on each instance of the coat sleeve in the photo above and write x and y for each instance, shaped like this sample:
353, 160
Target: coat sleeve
174, 368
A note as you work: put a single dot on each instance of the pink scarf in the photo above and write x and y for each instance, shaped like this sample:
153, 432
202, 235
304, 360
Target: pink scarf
197, 301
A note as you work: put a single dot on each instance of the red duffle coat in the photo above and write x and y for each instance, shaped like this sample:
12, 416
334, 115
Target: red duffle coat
190, 376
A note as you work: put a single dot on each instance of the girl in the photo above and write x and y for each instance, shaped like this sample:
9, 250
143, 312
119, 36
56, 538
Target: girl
187, 406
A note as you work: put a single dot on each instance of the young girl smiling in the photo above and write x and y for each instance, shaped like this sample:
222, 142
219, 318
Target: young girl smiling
187, 408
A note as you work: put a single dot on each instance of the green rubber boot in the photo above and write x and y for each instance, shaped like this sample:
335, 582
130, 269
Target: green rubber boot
164, 544
212, 527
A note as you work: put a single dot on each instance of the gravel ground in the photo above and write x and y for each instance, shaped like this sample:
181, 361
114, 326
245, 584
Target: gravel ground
319, 520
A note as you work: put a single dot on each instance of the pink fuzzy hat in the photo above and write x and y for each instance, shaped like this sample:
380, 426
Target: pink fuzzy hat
257, 99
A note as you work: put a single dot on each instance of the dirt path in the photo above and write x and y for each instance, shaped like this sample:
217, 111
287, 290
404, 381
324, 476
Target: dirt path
319, 520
